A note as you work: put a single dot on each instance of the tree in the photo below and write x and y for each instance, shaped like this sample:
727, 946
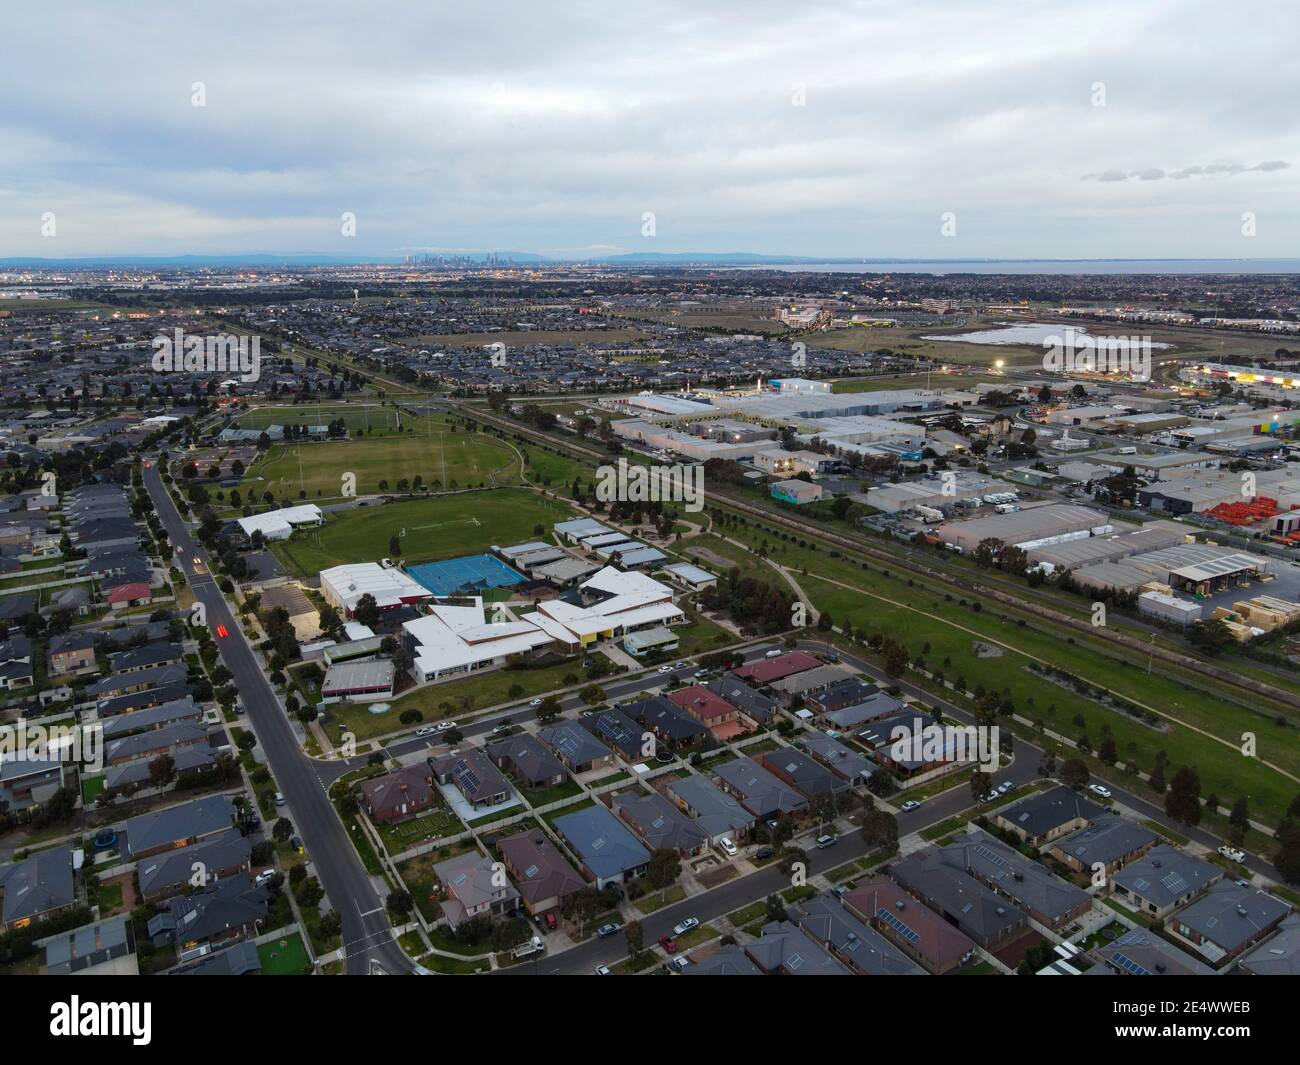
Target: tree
980, 785
879, 829
635, 935
282, 830
1074, 773
592, 694
1183, 800
400, 904
1239, 821
549, 711
367, 611
1287, 861
664, 868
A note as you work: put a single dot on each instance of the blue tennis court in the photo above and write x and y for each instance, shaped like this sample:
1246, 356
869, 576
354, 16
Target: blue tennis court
459, 576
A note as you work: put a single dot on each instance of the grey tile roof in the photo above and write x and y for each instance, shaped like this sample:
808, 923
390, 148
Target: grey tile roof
1279, 955
172, 869
782, 946
605, 845
659, 822
865, 949
40, 883
953, 893
1229, 916
161, 828
1030, 884
1141, 953
715, 811
1039, 814
1108, 840
1164, 875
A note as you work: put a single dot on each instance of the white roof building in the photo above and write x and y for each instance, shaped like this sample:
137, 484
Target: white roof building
279, 524
452, 640
344, 586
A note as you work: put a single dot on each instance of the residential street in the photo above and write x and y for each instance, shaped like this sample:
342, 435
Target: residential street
367, 935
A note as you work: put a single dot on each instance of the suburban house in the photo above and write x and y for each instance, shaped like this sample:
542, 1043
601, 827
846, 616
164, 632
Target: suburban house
544, 876
472, 887
1164, 879
223, 912
670, 724
622, 733
400, 795
659, 823
847, 763
752, 703
960, 899
765, 671
857, 945
1032, 887
1277, 956
531, 763
848, 692
760, 792
724, 961
1227, 920
474, 775
577, 748
609, 853
1139, 952
72, 654
172, 872
177, 826
1048, 815
920, 933
782, 948
1111, 842
718, 814
27, 781
806, 775
38, 887
714, 713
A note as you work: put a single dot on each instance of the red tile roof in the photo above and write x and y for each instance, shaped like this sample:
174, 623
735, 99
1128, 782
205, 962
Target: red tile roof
766, 670
701, 703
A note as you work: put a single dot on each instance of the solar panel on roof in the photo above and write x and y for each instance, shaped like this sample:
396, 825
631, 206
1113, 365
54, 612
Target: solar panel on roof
1128, 963
897, 925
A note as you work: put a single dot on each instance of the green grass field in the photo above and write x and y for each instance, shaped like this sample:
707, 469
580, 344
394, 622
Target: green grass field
430, 529
284, 957
368, 415
444, 460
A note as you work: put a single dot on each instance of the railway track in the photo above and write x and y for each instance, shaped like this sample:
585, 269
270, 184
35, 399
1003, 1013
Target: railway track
864, 550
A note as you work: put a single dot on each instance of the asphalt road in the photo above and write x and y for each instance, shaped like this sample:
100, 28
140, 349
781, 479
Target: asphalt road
367, 934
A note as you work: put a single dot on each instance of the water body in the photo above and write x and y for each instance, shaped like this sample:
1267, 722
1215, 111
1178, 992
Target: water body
1047, 266
1036, 334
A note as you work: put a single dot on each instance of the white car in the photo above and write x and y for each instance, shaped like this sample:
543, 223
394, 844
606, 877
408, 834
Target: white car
665, 669
535, 702
264, 877
603, 970
428, 730
1232, 854
911, 804
680, 962
445, 726
686, 926
503, 727
728, 846
1005, 787
1097, 789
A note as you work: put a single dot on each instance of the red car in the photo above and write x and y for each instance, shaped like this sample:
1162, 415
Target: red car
669, 944
221, 631
549, 918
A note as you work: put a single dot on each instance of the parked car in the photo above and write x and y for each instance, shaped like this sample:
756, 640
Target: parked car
264, 877
445, 726
681, 963
911, 804
698, 674
503, 727
825, 841
728, 847
549, 919
668, 943
774, 654
686, 926
534, 702
1098, 789
279, 798
1232, 854
603, 970
763, 853
665, 669
607, 930
428, 730
1005, 787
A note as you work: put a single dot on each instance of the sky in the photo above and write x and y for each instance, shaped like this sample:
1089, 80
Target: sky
1133, 129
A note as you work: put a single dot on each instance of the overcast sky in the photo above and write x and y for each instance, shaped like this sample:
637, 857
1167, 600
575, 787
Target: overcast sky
1133, 128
